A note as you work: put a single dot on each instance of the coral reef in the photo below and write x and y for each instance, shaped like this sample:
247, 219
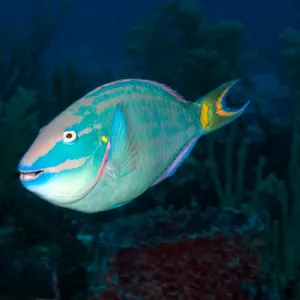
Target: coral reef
169, 225
164, 233
211, 267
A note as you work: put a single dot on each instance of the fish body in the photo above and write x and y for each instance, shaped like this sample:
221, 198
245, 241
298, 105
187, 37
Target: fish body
110, 146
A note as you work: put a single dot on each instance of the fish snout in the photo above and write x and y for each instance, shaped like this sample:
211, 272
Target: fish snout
26, 173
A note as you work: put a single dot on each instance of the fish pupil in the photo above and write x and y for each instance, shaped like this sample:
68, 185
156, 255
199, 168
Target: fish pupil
69, 135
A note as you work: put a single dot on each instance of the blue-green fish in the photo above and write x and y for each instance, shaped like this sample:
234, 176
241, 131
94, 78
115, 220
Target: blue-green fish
110, 146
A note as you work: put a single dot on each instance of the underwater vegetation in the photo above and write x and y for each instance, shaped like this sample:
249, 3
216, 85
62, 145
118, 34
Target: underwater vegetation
68, 82
224, 226
21, 52
290, 59
174, 45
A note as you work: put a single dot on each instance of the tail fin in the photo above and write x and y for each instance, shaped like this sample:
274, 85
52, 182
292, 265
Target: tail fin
212, 110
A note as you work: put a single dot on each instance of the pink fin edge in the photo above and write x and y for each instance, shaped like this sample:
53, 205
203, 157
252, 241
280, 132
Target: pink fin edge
178, 161
165, 87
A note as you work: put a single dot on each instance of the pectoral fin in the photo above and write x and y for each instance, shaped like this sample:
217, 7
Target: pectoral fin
123, 155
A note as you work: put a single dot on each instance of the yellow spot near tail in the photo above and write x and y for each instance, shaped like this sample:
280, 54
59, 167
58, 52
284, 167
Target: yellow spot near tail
104, 139
204, 115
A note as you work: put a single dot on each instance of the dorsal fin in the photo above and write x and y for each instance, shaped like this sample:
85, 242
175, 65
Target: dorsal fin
169, 90
120, 83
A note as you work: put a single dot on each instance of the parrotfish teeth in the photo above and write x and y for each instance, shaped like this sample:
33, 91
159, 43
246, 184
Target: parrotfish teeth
26, 176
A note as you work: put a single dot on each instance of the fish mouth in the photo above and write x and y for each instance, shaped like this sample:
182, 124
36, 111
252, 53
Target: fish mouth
30, 175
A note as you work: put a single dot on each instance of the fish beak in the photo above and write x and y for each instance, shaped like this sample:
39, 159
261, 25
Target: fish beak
28, 176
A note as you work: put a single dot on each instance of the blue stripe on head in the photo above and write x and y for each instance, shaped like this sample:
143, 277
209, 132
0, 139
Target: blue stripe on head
42, 179
61, 152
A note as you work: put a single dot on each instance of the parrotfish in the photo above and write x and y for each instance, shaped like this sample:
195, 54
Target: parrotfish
120, 139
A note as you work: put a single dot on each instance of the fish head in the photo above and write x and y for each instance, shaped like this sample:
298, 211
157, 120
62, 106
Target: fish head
66, 159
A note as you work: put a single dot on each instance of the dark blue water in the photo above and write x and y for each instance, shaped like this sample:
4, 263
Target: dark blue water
225, 225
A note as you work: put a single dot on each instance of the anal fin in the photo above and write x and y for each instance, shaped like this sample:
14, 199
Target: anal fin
184, 153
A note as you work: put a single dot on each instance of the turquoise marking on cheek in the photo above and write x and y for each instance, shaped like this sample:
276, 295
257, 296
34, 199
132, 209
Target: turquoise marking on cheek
71, 183
41, 180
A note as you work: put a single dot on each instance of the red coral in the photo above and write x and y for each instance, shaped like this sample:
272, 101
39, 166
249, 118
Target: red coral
206, 268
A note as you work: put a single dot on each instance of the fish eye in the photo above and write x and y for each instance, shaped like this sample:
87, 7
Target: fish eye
70, 136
